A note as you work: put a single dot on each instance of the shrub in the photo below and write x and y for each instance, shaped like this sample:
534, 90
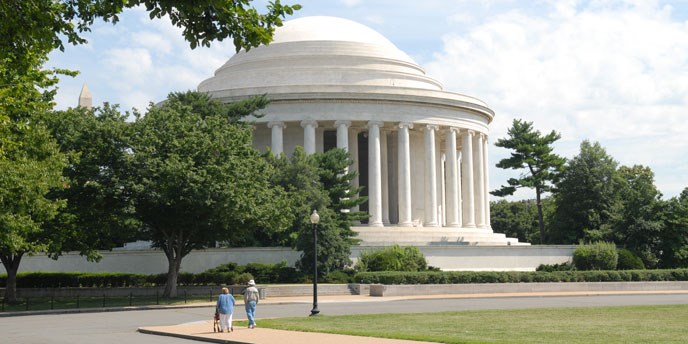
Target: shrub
393, 258
567, 266
629, 261
596, 256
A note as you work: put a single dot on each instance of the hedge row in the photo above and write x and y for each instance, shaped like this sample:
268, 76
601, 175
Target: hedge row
458, 277
227, 274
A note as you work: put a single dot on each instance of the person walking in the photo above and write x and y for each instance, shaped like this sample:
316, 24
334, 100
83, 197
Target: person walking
225, 306
251, 297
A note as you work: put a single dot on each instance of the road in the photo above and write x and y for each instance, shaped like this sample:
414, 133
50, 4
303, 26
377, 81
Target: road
120, 327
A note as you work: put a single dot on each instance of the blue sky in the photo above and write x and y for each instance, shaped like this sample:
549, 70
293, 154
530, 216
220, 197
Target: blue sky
615, 72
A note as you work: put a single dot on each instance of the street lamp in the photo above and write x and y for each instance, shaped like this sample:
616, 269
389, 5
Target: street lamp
315, 218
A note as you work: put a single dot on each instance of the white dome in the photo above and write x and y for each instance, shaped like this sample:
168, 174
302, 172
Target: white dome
321, 28
321, 52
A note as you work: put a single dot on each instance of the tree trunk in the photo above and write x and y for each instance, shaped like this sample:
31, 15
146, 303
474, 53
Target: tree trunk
541, 221
11, 263
174, 262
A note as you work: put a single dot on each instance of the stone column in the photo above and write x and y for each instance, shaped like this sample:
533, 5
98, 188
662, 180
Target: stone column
343, 135
353, 150
479, 187
452, 180
486, 170
374, 175
309, 136
277, 143
404, 175
468, 203
430, 177
385, 177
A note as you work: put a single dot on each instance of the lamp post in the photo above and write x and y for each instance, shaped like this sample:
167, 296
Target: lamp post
315, 218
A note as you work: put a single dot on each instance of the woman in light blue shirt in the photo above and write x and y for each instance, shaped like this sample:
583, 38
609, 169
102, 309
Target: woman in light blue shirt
225, 306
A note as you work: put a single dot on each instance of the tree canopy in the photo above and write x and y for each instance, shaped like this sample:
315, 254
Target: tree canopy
532, 152
43, 24
196, 178
586, 197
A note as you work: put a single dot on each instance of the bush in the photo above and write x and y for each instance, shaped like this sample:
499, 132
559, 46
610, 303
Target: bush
568, 266
629, 261
596, 256
393, 258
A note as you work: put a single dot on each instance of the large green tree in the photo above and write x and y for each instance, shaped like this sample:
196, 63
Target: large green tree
673, 246
99, 214
532, 154
30, 161
586, 197
196, 178
638, 226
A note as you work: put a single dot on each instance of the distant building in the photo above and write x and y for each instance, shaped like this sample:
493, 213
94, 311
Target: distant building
421, 152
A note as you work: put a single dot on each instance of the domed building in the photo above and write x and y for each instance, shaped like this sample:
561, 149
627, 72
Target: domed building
420, 152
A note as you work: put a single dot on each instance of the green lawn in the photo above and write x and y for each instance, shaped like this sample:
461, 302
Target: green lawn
630, 324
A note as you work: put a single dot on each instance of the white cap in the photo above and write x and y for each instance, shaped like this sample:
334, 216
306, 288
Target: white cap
251, 282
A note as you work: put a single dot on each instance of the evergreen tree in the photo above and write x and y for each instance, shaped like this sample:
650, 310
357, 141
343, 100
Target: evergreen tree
532, 152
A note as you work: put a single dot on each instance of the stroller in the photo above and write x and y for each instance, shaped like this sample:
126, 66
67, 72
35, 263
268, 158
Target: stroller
216, 321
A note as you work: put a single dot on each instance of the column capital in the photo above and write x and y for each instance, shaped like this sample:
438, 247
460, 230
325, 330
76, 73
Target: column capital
432, 127
378, 124
453, 130
470, 132
408, 125
311, 122
347, 124
277, 124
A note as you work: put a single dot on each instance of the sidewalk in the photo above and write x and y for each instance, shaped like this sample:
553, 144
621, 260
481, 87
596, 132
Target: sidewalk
203, 330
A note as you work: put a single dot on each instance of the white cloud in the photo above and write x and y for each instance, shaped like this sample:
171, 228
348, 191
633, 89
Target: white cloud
617, 74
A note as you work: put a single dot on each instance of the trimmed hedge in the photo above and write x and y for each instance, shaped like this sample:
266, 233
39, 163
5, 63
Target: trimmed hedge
461, 277
226, 274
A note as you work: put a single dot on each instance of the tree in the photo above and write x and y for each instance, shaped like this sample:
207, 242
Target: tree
196, 178
30, 161
586, 197
531, 151
43, 24
99, 213
518, 219
318, 181
673, 246
639, 224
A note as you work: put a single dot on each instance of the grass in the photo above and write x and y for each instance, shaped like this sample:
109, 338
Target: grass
628, 324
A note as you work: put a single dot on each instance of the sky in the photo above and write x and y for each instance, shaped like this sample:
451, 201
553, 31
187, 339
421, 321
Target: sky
613, 72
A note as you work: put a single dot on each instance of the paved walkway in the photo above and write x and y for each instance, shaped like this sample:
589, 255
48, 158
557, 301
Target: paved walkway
203, 330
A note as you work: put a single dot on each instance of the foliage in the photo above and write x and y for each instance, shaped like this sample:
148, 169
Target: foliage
318, 181
673, 243
98, 214
30, 166
393, 258
196, 179
638, 225
462, 277
519, 219
586, 199
567, 266
596, 256
45, 23
629, 261
533, 152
